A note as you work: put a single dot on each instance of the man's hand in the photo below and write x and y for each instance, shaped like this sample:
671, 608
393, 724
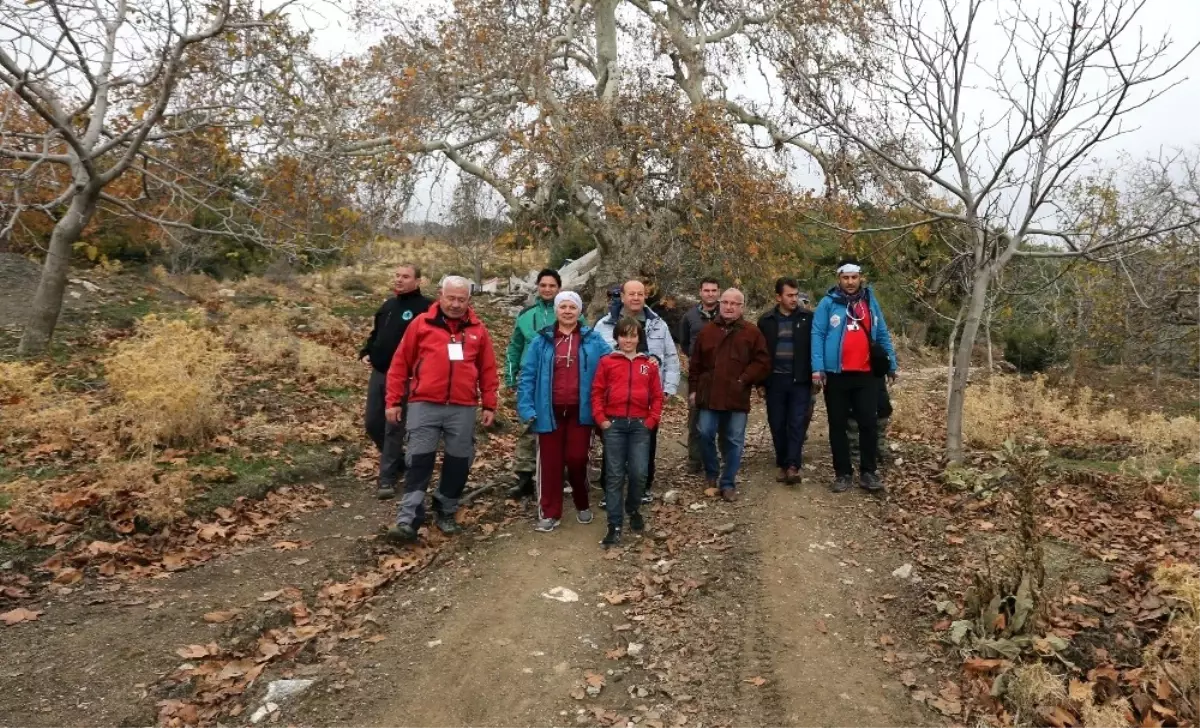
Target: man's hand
488, 418
818, 381
692, 399
605, 425
367, 360
394, 414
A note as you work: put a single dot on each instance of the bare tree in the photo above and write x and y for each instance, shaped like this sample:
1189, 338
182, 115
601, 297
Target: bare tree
992, 137
474, 225
98, 92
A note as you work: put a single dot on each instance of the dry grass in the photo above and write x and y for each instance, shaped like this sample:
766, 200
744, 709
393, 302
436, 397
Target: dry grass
31, 405
320, 364
169, 380
24, 389
197, 286
1007, 408
1175, 655
1112, 715
1032, 686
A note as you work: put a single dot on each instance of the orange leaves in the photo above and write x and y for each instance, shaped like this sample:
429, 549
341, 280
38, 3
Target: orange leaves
18, 615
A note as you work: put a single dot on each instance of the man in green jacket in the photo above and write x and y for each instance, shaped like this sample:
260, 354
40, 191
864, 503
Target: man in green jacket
530, 321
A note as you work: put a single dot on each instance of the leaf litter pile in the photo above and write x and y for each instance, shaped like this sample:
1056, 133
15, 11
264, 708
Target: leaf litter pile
1051, 598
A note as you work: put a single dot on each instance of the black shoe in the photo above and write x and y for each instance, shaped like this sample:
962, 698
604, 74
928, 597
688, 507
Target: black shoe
603, 503
842, 484
386, 492
448, 526
636, 522
523, 488
647, 497
871, 483
612, 538
401, 533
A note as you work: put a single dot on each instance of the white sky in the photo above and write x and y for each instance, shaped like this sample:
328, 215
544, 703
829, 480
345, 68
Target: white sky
1172, 121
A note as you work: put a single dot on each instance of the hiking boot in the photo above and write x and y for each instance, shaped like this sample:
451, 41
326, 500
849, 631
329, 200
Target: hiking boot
695, 468
636, 522
792, 476
386, 492
782, 477
401, 533
871, 483
647, 497
448, 526
613, 537
523, 488
729, 495
842, 484
710, 483
584, 516
546, 525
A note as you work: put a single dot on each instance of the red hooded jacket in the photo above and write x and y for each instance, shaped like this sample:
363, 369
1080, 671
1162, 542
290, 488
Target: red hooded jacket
422, 368
626, 387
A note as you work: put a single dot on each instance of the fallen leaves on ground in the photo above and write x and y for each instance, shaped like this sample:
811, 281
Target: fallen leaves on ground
18, 615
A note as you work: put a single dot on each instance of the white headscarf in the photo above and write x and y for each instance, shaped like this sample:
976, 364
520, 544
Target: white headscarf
568, 296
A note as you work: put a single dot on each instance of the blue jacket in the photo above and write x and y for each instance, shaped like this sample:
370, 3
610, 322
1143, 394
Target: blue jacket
535, 386
829, 322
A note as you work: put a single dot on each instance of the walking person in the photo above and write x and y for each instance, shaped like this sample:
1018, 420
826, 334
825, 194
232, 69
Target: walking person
694, 320
729, 359
391, 321
554, 401
627, 402
851, 349
787, 329
530, 321
444, 370
654, 339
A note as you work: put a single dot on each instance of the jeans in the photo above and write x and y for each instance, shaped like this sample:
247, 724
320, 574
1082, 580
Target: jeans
626, 452
653, 453
387, 437
732, 429
857, 392
789, 410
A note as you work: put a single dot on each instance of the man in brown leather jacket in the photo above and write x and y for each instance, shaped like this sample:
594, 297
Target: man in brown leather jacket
729, 359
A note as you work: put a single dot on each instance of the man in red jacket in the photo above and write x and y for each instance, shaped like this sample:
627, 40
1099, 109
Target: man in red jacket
447, 366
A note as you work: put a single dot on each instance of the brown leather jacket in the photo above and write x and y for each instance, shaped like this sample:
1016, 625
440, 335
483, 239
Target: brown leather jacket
728, 360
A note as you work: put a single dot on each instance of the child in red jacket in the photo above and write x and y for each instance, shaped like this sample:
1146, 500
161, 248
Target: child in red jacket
627, 403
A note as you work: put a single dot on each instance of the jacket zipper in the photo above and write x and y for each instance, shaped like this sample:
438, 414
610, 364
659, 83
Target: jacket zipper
629, 399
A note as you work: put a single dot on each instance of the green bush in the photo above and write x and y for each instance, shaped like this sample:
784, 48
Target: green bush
1032, 349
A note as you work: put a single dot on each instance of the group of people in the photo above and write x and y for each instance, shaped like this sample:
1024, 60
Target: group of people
434, 373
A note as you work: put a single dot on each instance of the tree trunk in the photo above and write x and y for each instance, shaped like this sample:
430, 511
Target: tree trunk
962, 365
47, 302
987, 331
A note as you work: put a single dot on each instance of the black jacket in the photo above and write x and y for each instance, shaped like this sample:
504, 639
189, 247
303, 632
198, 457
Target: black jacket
768, 323
689, 328
391, 321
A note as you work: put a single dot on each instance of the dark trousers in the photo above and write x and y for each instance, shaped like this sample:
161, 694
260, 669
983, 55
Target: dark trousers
858, 392
695, 451
567, 446
789, 410
649, 468
387, 437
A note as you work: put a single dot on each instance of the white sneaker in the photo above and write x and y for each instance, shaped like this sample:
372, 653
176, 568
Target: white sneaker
546, 525
568, 490
584, 516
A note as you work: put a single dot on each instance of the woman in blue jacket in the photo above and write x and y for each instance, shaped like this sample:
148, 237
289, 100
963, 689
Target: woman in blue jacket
554, 398
846, 326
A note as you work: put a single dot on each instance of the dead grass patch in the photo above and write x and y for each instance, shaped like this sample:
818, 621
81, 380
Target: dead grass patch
168, 377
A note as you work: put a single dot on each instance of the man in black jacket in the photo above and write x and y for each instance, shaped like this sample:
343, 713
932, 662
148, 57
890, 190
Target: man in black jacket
694, 320
787, 328
391, 321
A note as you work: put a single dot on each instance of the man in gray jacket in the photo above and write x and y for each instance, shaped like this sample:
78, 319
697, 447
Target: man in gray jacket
655, 340
695, 319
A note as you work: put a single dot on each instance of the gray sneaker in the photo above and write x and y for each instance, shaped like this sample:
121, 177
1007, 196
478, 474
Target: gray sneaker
386, 492
871, 482
842, 484
584, 516
546, 525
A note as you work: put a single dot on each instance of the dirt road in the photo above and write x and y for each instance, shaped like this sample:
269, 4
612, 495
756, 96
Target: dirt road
766, 611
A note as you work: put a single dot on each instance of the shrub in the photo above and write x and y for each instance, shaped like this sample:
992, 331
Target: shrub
169, 379
1032, 349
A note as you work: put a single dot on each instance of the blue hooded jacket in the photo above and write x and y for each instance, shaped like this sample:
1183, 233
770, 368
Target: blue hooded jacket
829, 323
535, 385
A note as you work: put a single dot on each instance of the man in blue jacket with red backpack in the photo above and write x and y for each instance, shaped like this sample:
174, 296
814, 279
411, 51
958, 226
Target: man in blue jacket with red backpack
851, 350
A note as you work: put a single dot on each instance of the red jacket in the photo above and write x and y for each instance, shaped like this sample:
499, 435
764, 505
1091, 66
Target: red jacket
626, 387
422, 368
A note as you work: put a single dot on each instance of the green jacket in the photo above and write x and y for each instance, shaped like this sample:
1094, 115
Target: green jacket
532, 319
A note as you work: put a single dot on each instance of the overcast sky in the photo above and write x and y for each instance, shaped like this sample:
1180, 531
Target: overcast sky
1173, 121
